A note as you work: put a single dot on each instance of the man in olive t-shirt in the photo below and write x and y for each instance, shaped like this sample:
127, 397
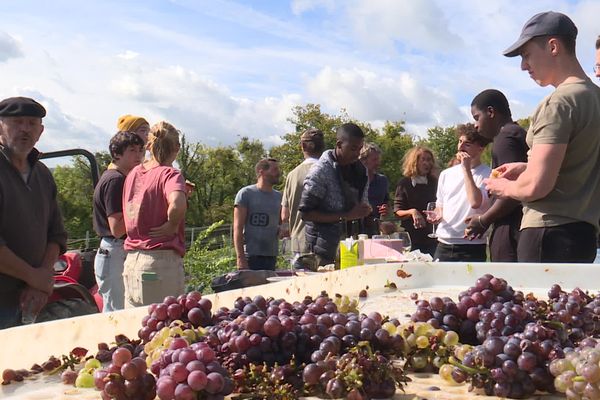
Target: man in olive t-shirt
312, 144
560, 184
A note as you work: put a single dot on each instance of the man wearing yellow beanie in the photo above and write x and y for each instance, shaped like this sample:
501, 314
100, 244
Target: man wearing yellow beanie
134, 124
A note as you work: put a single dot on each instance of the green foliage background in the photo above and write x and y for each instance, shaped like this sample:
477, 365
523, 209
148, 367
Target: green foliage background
219, 172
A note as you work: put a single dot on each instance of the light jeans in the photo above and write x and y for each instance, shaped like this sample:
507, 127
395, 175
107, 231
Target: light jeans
108, 267
151, 275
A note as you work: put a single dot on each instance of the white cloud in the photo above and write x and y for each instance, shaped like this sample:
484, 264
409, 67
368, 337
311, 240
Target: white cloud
63, 130
9, 47
370, 96
234, 70
128, 55
416, 24
202, 109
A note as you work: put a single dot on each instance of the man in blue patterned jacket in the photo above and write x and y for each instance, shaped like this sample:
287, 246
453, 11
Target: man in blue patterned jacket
335, 193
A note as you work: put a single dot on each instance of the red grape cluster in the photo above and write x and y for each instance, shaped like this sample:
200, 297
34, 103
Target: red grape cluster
125, 378
274, 331
105, 352
490, 308
190, 307
577, 311
185, 371
508, 366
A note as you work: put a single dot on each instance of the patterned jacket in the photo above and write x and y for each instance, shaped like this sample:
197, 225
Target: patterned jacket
326, 191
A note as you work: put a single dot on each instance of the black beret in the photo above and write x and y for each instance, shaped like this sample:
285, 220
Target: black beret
21, 107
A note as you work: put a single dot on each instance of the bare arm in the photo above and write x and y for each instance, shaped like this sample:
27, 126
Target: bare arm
478, 224
473, 192
116, 223
538, 178
240, 214
175, 214
417, 217
285, 214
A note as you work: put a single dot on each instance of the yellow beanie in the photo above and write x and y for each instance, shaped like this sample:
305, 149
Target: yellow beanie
129, 123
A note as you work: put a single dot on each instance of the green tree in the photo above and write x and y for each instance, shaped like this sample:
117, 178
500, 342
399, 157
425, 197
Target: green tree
75, 196
394, 143
443, 142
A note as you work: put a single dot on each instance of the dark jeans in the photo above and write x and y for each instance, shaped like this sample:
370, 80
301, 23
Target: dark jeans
257, 263
570, 243
503, 243
460, 252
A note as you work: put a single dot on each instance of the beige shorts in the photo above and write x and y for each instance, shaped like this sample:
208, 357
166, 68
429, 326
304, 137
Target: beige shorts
151, 275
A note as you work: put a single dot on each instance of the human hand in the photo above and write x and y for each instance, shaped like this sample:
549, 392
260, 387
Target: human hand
418, 219
167, 229
359, 211
464, 158
510, 171
32, 300
433, 216
496, 186
42, 279
284, 230
242, 262
383, 210
476, 227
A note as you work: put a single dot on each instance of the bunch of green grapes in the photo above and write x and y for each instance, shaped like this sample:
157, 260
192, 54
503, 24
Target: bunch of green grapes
163, 338
578, 374
425, 347
345, 304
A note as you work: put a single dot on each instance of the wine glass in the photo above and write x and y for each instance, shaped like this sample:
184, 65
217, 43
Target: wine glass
406, 242
433, 213
287, 252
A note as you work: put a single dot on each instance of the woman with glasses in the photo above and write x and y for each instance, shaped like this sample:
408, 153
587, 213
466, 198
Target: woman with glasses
154, 204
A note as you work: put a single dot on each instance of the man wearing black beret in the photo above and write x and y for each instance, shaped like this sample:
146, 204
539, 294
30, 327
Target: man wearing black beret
32, 234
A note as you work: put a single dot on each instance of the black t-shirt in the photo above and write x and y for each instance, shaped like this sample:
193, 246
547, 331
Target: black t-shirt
510, 146
108, 200
409, 196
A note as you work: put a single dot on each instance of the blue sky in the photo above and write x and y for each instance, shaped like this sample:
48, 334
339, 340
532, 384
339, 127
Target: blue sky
219, 70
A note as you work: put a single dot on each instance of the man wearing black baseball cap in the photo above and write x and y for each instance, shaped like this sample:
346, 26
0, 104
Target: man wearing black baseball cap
559, 185
32, 234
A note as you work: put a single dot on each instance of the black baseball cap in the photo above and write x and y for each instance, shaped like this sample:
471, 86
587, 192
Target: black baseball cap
543, 24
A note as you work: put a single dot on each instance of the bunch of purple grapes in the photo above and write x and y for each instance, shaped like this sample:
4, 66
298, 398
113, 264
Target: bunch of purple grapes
273, 331
125, 378
473, 317
190, 307
185, 371
105, 351
508, 367
577, 311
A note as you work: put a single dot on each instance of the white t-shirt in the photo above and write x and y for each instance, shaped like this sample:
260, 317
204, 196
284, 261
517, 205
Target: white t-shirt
451, 192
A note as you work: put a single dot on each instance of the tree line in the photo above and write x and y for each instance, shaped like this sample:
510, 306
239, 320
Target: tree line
219, 172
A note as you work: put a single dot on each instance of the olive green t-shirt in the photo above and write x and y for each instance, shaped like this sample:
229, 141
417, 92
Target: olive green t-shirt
569, 115
294, 184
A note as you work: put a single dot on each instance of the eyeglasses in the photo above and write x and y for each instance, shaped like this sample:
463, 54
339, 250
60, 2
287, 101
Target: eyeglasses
596, 68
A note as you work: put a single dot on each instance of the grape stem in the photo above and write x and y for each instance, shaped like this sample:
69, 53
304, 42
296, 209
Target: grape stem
469, 370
